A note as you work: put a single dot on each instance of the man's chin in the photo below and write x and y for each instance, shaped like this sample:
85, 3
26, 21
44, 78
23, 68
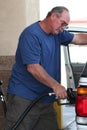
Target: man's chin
56, 32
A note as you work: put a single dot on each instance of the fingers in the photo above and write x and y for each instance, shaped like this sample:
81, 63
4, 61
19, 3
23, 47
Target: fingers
61, 95
60, 92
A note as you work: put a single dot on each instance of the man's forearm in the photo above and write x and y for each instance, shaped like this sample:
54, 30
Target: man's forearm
41, 75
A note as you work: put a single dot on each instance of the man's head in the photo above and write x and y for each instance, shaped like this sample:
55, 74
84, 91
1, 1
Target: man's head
58, 10
58, 19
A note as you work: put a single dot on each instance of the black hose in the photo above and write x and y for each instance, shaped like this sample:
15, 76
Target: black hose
2, 98
3, 104
28, 109
71, 96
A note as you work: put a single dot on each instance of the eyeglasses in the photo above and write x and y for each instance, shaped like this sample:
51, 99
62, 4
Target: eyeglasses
63, 23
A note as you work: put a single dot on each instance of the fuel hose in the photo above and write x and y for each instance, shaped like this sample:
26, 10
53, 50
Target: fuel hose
71, 97
28, 109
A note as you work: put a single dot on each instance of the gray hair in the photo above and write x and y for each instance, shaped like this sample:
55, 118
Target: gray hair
58, 10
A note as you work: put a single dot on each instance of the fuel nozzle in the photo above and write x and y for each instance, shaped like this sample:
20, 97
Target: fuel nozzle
71, 97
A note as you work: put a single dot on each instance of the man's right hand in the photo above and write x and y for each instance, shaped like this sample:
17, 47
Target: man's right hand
60, 91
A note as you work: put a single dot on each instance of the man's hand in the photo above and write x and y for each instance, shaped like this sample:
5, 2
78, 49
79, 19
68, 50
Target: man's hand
60, 91
42, 76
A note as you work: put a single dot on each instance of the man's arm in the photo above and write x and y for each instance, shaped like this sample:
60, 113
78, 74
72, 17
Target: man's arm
80, 39
42, 76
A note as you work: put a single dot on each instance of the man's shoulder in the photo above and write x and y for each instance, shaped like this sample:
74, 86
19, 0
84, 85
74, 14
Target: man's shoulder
31, 28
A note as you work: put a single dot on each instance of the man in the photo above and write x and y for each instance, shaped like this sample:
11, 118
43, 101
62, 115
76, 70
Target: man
37, 71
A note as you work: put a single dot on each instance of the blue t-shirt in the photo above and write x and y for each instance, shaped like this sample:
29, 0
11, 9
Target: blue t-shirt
36, 47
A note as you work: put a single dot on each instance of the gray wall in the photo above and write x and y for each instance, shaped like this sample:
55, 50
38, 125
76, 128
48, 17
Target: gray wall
15, 15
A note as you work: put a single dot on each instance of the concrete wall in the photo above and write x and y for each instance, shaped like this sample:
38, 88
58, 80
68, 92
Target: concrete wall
14, 16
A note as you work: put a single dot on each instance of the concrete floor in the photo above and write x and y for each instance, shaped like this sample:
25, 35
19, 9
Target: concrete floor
68, 117
72, 126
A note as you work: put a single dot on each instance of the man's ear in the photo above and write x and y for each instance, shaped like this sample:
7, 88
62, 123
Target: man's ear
53, 16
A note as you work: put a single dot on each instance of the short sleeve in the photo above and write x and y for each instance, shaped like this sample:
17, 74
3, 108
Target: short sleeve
29, 48
66, 37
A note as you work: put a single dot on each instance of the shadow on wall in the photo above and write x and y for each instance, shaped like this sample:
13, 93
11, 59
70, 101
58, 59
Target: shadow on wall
6, 63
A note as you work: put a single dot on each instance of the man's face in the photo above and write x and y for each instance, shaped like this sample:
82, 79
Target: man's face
59, 23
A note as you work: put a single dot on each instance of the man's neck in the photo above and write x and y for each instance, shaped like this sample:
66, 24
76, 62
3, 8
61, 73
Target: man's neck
44, 24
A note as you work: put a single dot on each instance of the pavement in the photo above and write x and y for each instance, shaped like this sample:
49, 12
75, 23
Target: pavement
71, 126
68, 117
